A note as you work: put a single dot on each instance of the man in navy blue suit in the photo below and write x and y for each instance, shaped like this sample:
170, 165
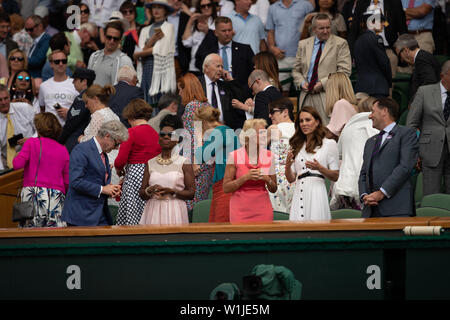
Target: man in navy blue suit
38, 52
90, 185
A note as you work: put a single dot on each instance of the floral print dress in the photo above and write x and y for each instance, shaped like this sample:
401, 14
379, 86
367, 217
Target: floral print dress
203, 181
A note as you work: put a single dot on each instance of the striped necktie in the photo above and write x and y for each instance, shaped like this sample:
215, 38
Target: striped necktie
314, 76
447, 107
104, 163
377, 145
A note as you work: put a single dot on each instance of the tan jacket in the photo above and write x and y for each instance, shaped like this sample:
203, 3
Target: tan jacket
335, 57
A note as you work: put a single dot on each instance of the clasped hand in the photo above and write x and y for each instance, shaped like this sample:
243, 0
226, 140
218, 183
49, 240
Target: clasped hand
158, 191
112, 190
373, 199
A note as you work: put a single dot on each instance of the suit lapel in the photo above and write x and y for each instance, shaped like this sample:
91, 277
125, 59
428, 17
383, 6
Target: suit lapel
326, 48
98, 159
438, 101
309, 50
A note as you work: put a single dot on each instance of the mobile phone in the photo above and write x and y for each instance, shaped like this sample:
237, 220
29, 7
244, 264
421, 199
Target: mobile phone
14, 139
157, 30
57, 106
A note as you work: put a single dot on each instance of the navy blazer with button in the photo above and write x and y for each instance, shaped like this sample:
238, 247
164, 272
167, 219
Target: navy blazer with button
84, 206
38, 58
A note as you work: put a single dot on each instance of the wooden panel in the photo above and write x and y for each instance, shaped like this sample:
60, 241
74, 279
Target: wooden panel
276, 226
9, 186
443, 222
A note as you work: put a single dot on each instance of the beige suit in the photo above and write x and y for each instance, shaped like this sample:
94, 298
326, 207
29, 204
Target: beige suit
335, 57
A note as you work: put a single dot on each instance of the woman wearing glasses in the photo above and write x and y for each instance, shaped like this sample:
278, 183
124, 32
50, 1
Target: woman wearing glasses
22, 89
131, 35
156, 64
141, 146
312, 159
168, 180
197, 27
17, 61
281, 130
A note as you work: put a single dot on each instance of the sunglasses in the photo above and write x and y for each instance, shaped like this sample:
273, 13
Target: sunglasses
30, 29
21, 78
163, 134
271, 112
125, 12
85, 11
58, 61
112, 38
16, 59
204, 6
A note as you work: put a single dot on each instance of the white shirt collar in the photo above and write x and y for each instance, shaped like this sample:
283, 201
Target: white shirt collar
76, 37
227, 45
97, 144
416, 55
38, 38
443, 90
389, 127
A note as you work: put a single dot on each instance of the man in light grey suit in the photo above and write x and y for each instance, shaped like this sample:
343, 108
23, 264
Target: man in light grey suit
430, 113
389, 158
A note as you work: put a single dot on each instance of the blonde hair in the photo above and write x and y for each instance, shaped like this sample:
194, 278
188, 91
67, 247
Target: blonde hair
338, 87
248, 125
102, 93
207, 113
365, 104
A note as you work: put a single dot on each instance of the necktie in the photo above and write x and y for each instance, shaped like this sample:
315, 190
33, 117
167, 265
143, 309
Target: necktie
104, 163
314, 76
225, 58
10, 151
213, 95
377, 145
447, 106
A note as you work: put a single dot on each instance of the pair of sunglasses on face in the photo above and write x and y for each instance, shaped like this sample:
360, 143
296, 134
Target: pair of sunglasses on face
170, 135
112, 38
22, 78
16, 59
58, 61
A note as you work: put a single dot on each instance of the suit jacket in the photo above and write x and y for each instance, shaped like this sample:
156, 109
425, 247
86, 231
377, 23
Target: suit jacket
184, 53
124, 94
78, 118
427, 70
394, 14
37, 59
426, 114
241, 58
391, 167
335, 57
373, 66
228, 90
262, 100
83, 205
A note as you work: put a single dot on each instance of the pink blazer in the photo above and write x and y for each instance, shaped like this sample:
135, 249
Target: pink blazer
53, 168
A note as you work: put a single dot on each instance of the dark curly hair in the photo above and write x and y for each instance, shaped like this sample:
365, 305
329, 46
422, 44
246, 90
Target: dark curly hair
172, 121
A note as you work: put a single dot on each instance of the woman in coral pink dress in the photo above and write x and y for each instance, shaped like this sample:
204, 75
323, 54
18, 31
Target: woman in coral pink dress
249, 174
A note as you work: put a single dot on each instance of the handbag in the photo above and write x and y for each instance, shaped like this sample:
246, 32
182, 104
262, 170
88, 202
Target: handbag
26, 210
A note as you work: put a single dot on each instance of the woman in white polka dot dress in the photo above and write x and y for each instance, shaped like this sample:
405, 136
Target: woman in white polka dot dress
312, 158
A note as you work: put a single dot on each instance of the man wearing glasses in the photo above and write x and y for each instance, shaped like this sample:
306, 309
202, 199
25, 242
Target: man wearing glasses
107, 62
57, 94
38, 52
6, 44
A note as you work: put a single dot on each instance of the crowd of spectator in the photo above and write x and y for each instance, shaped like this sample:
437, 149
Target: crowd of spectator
147, 107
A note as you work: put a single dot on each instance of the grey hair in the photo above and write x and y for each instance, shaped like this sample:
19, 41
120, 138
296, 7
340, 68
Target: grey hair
89, 26
320, 16
445, 67
126, 73
406, 41
208, 59
167, 99
115, 129
258, 74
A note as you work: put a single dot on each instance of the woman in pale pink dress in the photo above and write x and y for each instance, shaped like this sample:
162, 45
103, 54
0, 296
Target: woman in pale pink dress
168, 180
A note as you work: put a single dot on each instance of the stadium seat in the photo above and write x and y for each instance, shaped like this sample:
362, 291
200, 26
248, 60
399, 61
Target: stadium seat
345, 214
401, 98
432, 212
280, 215
113, 210
201, 211
438, 200
441, 59
210, 194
